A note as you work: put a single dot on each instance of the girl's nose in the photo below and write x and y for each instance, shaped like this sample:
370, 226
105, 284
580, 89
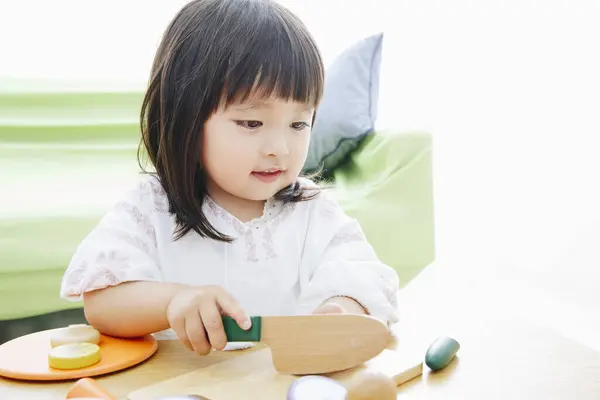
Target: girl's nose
275, 146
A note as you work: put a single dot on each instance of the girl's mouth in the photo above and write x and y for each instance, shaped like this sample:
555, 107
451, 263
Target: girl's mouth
268, 176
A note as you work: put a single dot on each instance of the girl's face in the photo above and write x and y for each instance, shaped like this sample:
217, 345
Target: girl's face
252, 150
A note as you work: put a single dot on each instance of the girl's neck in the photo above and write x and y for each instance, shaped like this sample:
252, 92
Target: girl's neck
243, 209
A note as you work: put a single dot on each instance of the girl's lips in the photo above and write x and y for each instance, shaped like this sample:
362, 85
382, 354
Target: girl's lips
267, 177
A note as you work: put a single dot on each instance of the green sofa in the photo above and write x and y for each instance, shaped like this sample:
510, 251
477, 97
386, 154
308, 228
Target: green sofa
77, 137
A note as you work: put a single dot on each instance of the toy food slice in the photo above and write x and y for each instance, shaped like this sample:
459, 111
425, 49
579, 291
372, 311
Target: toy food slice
74, 356
80, 333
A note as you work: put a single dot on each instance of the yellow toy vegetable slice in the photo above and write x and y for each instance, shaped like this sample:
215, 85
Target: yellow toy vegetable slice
74, 356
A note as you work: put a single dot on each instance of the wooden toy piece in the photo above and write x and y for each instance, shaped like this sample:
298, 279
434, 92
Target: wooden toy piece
399, 367
74, 356
372, 385
88, 388
314, 344
441, 352
79, 333
27, 357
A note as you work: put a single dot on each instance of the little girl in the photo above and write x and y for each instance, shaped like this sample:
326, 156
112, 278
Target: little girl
224, 225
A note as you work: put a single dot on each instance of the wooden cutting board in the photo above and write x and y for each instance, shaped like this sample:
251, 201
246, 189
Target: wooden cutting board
253, 373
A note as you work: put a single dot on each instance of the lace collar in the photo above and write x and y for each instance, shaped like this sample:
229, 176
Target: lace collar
273, 212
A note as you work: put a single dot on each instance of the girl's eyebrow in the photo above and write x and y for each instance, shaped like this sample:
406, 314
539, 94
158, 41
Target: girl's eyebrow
266, 105
250, 106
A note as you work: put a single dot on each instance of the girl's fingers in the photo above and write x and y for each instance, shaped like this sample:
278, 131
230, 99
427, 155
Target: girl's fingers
195, 332
178, 326
330, 308
231, 307
213, 324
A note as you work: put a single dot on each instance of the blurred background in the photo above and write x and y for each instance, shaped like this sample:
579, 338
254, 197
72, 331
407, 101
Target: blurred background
509, 91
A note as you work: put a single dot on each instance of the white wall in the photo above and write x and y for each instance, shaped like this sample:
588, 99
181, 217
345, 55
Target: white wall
114, 40
511, 92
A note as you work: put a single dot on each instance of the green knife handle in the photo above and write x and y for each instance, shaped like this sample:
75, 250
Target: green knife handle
236, 334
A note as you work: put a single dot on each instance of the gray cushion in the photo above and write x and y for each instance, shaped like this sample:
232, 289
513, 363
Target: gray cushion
348, 110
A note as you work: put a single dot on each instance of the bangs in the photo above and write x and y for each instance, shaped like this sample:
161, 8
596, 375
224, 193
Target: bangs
278, 60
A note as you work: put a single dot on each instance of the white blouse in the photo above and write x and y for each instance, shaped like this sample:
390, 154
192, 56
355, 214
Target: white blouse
287, 262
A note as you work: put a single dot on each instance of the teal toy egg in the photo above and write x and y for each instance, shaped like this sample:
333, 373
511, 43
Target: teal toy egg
441, 352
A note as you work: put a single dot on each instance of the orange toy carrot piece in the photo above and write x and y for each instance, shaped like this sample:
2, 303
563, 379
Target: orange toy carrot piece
87, 387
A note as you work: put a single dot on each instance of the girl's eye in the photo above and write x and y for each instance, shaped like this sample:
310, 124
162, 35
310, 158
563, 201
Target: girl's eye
249, 124
300, 125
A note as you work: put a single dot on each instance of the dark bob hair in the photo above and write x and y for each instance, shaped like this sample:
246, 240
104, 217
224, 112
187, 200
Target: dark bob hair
212, 53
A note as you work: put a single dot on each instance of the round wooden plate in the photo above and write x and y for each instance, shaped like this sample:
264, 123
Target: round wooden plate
26, 357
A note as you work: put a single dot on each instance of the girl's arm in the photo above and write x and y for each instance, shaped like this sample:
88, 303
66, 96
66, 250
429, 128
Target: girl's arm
115, 269
343, 268
194, 313
130, 309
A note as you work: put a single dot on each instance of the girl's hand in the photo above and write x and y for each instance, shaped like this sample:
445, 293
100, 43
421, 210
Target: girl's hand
330, 308
195, 316
340, 305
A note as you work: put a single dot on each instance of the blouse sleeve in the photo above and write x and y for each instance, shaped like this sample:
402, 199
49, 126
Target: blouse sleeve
343, 263
121, 248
